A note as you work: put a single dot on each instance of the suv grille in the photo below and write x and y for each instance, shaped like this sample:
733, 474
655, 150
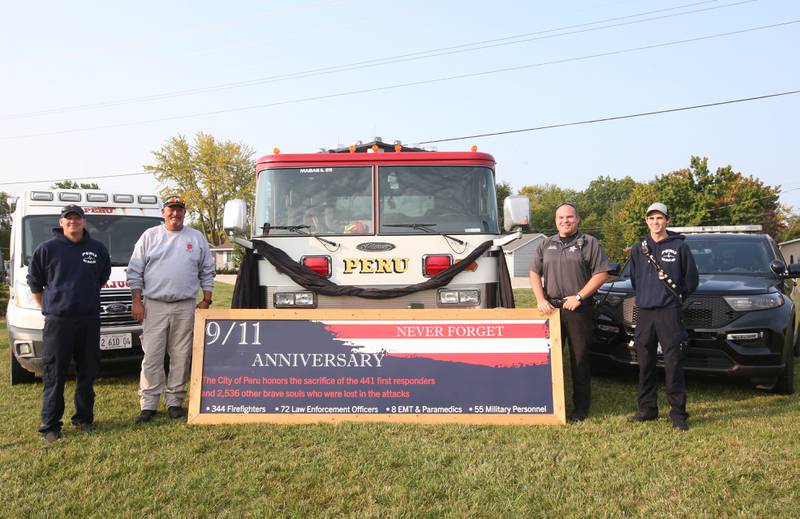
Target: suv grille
699, 312
115, 308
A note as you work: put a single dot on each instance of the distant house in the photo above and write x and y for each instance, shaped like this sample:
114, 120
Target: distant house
223, 255
519, 253
791, 250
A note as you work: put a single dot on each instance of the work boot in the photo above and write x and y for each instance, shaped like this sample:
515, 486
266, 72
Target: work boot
176, 412
51, 436
641, 417
145, 416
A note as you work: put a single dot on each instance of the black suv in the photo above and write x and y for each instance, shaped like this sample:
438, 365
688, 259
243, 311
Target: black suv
741, 319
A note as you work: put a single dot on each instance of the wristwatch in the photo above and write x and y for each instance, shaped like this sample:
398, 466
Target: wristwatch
578, 298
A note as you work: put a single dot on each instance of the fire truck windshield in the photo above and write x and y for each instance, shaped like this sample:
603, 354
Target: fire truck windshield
456, 199
321, 200
118, 233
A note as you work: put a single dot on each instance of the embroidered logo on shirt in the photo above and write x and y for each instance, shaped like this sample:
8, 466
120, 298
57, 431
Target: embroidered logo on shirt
89, 257
552, 247
188, 247
573, 248
669, 255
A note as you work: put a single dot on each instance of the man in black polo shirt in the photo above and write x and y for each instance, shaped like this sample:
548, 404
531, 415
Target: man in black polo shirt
65, 276
566, 270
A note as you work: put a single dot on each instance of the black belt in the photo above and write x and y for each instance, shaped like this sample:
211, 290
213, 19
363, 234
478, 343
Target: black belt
555, 303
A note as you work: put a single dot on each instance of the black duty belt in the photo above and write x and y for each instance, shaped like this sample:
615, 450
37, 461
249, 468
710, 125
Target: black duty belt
556, 303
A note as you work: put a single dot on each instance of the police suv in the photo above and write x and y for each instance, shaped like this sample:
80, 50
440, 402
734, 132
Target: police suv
742, 320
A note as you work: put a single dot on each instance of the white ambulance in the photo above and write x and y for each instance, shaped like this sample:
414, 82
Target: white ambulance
115, 219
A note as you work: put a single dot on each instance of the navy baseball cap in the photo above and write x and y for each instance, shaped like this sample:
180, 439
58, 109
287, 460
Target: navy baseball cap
72, 209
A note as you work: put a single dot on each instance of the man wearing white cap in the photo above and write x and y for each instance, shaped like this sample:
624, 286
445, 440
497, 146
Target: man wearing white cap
663, 275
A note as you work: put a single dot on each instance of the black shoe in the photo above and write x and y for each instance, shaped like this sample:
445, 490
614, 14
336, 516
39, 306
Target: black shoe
145, 416
51, 436
86, 427
680, 424
578, 416
639, 417
176, 412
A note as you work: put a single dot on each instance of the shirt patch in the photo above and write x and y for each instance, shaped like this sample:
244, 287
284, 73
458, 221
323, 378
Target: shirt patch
669, 255
553, 247
189, 247
89, 257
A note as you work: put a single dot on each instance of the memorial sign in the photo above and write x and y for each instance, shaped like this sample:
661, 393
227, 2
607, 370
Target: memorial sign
429, 366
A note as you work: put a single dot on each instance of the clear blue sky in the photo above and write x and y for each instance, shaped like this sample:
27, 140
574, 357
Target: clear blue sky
58, 56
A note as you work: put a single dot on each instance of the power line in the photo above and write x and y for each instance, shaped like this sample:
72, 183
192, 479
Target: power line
506, 132
612, 118
93, 177
413, 83
442, 51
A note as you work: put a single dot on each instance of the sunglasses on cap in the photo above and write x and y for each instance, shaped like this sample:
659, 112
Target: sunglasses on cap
174, 200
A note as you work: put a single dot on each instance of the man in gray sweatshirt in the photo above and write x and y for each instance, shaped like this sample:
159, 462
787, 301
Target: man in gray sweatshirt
170, 263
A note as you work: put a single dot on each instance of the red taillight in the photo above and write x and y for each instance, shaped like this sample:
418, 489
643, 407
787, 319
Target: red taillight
319, 264
435, 263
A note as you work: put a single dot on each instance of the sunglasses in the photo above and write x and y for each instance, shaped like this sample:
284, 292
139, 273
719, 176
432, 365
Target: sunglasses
175, 200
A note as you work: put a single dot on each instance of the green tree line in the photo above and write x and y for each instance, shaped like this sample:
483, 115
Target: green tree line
613, 209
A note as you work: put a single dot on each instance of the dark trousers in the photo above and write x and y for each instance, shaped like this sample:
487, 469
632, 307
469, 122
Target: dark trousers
576, 328
654, 326
64, 340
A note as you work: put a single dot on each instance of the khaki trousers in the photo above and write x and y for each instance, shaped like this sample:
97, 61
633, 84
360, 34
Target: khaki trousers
167, 329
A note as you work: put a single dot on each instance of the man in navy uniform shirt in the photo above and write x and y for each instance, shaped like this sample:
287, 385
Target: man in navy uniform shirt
65, 276
663, 275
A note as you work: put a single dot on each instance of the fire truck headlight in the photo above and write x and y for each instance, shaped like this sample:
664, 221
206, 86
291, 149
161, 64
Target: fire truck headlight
294, 299
448, 297
304, 299
468, 297
284, 299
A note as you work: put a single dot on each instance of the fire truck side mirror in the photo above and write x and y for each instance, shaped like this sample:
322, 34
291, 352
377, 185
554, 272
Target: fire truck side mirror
516, 212
234, 217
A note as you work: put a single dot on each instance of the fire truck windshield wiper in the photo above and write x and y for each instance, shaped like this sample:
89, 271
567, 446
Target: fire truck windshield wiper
301, 229
427, 228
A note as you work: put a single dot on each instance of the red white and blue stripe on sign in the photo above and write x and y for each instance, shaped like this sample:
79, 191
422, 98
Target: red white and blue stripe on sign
495, 343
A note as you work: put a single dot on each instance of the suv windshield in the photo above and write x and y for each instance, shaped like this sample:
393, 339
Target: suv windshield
730, 254
441, 199
316, 200
118, 233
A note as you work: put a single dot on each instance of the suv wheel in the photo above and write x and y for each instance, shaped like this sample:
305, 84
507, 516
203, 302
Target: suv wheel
785, 383
19, 375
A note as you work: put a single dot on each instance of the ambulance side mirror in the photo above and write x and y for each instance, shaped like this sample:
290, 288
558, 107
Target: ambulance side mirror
234, 217
516, 212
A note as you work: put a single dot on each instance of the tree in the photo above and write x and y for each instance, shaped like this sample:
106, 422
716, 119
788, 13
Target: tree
544, 200
503, 190
5, 224
695, 196
71, 184
208, 173
599, 201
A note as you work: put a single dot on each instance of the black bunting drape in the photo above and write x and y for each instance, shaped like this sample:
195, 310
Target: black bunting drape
506, 290
310, 280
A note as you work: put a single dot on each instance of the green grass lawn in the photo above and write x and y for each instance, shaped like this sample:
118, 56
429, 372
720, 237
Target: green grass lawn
739, 459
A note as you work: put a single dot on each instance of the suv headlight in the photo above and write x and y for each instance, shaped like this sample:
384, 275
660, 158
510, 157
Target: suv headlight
757, 302
23, 296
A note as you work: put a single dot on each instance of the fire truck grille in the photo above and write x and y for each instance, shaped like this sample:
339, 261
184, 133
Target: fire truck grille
115, 308
699, 312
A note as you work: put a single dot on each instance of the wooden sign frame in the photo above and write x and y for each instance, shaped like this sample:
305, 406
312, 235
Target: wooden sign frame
556, 417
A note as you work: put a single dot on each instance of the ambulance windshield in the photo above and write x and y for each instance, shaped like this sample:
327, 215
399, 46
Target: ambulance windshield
118, 233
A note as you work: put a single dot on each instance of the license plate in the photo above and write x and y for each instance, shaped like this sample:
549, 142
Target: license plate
116, 341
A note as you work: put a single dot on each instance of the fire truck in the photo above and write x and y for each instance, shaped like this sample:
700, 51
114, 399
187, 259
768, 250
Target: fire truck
376, 225
115, 219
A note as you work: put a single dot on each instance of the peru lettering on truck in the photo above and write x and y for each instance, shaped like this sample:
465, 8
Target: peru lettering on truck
115, 219
376, 226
